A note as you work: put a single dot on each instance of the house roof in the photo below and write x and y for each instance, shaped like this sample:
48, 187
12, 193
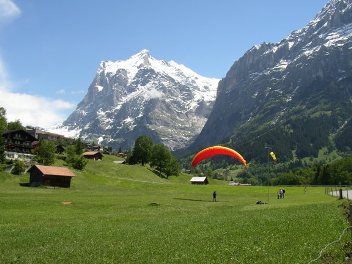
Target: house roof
19, 131
57, 171
90, 153
198, 179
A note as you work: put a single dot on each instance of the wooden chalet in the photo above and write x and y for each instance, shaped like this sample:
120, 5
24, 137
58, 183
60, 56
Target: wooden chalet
43, 135
18, 141
50, 176
199, 180
96, 155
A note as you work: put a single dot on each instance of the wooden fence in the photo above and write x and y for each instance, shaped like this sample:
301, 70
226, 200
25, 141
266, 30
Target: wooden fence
343, 192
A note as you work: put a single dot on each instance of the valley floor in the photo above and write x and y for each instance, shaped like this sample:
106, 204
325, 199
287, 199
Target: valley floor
116, 213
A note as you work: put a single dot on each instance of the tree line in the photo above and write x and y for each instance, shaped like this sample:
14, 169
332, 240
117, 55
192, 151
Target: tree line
157, 155
338, 172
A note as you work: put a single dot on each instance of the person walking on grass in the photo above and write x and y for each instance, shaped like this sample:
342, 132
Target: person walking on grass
214, 196
281, 194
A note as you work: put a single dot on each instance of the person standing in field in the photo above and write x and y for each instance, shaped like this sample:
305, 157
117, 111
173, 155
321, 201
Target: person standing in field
214, 196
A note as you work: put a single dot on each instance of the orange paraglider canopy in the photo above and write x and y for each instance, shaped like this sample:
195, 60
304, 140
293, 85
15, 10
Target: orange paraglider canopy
217, 150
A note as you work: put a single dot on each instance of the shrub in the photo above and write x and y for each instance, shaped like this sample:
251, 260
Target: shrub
78, 162
75, 161
19, 167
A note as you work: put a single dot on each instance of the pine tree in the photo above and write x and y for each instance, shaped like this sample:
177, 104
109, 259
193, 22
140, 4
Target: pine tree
79, 146
45, 152
3, 125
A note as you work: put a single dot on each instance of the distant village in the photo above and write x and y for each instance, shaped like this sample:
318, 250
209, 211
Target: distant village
33, 150
51, 159
20, 146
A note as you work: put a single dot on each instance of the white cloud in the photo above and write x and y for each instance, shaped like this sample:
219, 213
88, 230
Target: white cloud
29, 109
8, 10
60, 104
33, 110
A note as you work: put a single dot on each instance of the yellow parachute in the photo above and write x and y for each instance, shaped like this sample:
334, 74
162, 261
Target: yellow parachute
273, 156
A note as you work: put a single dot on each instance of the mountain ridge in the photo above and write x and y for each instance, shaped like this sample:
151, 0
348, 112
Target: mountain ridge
143, 95
283, 87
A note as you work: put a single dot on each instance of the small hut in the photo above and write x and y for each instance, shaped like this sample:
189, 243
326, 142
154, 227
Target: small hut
199, 180
50, 176
95, 155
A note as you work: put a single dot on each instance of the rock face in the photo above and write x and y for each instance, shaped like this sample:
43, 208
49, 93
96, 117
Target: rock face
142, 95
276, 92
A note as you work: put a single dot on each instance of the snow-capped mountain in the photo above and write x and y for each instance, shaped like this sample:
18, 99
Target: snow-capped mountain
143, 95
295, 95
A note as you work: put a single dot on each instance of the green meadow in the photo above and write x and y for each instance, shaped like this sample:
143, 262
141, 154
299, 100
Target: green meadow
116, 213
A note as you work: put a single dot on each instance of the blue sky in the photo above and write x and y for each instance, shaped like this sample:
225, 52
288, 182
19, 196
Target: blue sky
50, 50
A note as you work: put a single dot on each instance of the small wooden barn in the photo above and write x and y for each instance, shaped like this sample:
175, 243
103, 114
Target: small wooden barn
96, 155
50, 176
199, 180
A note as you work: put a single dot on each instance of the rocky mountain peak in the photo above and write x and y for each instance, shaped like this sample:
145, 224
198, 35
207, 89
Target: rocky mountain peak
144, 95
142, 58
282, 88
335, 14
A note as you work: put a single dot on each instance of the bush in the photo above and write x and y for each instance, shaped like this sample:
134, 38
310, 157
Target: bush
78, 162
19, 167
61, 157
75, 161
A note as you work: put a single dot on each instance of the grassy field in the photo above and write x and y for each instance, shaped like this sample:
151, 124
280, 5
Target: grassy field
126, 214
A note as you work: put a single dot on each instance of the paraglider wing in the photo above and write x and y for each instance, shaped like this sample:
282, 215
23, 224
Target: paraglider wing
273, 156
216, 150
